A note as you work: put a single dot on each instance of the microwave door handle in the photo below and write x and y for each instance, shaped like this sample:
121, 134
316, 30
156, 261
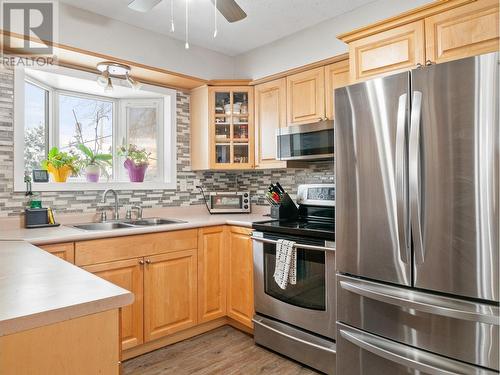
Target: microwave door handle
401, 186
414, 176
297, 245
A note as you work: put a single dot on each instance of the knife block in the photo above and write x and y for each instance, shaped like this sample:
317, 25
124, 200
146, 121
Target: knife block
286, 210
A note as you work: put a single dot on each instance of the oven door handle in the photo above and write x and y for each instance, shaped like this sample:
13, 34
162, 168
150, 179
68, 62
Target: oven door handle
297, 245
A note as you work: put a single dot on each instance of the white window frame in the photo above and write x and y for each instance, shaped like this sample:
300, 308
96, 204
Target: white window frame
122, 133
166, 98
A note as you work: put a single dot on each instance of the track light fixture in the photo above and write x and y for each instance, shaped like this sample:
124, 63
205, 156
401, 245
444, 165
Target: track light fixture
110, 70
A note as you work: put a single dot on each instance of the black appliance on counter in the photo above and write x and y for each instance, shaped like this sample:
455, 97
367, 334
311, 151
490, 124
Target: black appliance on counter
299, 321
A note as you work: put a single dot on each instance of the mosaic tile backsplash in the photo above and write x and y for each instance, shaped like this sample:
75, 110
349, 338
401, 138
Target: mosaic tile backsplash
13, 204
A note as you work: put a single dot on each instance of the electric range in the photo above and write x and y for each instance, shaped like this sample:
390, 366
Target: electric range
299, 321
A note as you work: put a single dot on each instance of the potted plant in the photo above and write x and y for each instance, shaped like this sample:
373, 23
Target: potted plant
136, 161
60, 164
94, 163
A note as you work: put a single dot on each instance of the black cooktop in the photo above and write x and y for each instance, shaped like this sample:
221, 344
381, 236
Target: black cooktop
299, 227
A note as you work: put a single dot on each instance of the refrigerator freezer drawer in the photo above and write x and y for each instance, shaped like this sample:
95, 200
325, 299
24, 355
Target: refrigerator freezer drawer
455, 328
304, 347
362, 353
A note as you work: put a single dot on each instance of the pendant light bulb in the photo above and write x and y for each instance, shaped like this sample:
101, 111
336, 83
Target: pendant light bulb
215, 19
172, 25
109, 86
186, 45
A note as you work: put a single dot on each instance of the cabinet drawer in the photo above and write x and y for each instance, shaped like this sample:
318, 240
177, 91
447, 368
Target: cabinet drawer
465, 31
395, 49
117, 248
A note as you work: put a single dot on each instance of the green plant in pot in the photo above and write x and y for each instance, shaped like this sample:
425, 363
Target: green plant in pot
60, 164
136, 161
94, 163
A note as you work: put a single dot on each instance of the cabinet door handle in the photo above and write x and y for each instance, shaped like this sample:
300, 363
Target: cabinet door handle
141, 262
148, 261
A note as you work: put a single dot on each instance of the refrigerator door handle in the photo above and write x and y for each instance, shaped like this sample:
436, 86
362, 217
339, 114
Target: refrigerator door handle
401, 186
413, 358
426, 303
414, 176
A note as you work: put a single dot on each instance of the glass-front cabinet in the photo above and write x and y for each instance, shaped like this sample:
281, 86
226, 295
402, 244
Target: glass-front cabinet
231, 127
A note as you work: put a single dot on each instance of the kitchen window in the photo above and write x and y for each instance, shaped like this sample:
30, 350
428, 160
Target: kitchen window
66, 117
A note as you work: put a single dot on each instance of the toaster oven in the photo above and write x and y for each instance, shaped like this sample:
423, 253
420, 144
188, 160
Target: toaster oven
229, 202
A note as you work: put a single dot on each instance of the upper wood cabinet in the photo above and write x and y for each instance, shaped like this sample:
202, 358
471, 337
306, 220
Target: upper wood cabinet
64, 251
336, 75
469, 30
222, 131
305, 93
434, 33
127, 274
170, 293
212, 272
399, 48
240, 303
270, 115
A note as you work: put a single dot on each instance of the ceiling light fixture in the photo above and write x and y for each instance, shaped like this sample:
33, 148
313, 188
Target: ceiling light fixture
110, 70
186, 46
215, 19
172, 25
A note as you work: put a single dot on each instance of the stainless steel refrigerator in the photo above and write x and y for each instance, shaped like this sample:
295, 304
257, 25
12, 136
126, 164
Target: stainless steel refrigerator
417, 221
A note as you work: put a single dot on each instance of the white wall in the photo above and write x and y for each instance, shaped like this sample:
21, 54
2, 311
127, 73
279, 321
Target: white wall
82, 29
318, 42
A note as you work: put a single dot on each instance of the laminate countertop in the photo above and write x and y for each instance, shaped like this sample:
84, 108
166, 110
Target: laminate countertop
194, 217
38, 289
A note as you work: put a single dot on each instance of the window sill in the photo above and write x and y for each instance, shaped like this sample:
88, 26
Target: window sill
93, 186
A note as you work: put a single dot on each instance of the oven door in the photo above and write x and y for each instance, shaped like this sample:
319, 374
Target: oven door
305, 142
310, 303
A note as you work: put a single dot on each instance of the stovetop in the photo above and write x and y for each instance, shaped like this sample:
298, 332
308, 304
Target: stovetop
300, 227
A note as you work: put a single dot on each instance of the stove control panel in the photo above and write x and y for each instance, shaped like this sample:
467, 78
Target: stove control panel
316, 195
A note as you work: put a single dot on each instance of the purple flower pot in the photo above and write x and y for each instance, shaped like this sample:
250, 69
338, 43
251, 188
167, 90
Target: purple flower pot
136, 172
92, 173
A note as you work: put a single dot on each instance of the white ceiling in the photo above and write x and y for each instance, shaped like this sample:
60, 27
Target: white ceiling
267, 21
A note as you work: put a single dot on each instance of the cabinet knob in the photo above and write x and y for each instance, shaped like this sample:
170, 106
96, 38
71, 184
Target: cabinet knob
148, 261
428, 62
141, 262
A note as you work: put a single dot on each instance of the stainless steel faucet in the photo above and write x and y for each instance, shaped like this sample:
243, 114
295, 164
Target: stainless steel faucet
116, 213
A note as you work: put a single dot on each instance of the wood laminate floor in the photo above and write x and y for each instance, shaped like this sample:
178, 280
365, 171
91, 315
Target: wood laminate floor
224, 351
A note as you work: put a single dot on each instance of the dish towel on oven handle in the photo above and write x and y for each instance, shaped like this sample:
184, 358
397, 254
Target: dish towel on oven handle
286, 263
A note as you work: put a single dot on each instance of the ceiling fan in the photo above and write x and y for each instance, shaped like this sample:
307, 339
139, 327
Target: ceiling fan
228, 8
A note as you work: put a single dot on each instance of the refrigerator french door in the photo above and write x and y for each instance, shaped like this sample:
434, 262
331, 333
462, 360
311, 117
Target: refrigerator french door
417, 220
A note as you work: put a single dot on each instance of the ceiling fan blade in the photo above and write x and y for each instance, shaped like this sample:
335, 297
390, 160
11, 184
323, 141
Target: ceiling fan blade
143, 5
230, 10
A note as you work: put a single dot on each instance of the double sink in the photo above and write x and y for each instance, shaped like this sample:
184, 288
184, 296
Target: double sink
124, 224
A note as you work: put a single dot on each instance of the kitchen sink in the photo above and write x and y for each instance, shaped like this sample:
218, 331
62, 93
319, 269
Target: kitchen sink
146, 222
102, 226
154, 221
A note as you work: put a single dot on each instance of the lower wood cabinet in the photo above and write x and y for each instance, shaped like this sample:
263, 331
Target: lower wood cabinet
240, 301
129, 275
212, 272
176, 290
170, 293
64, 251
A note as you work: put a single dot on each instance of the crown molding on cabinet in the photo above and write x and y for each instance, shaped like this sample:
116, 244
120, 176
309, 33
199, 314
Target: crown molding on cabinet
301, 69
404, 18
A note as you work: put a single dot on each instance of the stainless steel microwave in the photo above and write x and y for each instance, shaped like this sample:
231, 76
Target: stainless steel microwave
305, 142
229, 202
